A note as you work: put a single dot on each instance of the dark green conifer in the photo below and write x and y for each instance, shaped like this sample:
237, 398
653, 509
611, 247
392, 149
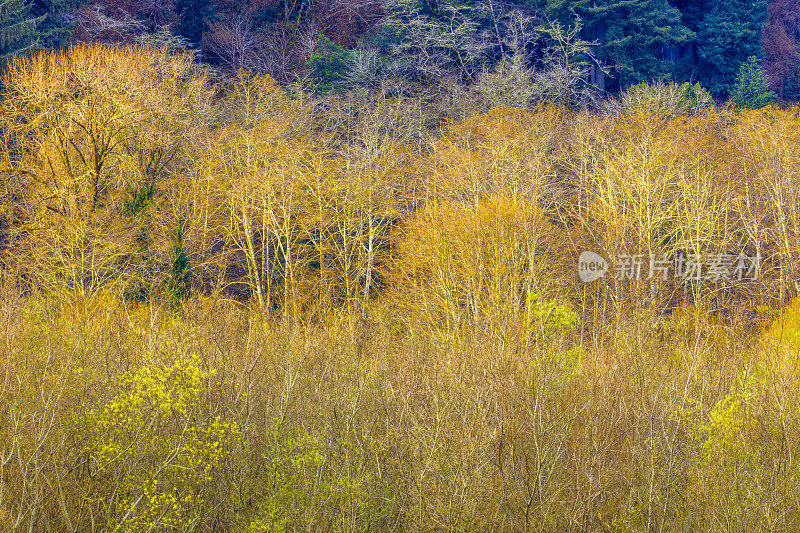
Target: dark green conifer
193, 18
18, 28
179, 281
728, 35
752, 90
631, 35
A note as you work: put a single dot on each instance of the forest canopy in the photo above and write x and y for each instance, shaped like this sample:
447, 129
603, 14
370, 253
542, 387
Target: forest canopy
410, 44
399, 266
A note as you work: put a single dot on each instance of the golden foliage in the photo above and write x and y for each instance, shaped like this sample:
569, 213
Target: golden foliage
92, 131
387, 330
506, 151
465, 264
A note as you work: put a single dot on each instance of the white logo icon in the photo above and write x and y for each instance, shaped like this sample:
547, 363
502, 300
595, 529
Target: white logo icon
591, 267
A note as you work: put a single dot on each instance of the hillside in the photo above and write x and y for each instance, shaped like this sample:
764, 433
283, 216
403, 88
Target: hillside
438, 287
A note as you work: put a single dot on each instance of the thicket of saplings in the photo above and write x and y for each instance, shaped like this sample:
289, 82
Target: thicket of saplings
232, 306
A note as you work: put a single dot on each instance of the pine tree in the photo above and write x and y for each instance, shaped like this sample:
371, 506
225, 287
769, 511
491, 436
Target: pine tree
57, 24
751, 90
636, 34
728, 35
693, 11
329, 65
631, 35
193, 18
179, 281
18, 28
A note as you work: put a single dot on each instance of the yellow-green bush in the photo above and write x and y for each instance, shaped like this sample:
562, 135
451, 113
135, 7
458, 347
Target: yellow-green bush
302, 487
154, 451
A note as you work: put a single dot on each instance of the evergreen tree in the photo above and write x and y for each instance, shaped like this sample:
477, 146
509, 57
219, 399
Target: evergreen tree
329, 65
684, 57
631, 35
179, 281
636, 33
193, 18
728, 35
693, 11
57, 24
18, 28
751, 90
